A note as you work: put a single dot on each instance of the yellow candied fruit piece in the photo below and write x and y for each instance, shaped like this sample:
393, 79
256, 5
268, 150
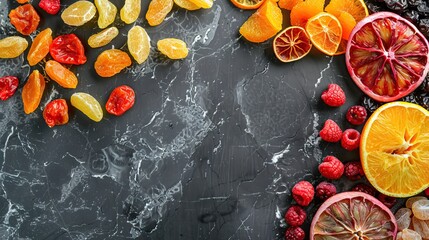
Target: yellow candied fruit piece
88, 105
138, 44
103, 38
12, 47
130, 11
106, 11
173, 48
79, 13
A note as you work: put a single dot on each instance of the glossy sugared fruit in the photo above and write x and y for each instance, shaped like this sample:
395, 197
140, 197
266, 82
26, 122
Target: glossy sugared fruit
173, 48
12, 47
68, 49
353, 215
411, 200
111, 62
421, 227
291, 44
203, 3
103, 38
130, 11
387, 57
40, 47
106, 12
78, 13
60, 74
403, 218
158, 10
88, 105
138, 42
25, 19
421, 209
56, 113
187, 4
32, 91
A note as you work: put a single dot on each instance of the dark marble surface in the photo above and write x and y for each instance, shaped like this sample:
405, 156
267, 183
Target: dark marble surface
210, 150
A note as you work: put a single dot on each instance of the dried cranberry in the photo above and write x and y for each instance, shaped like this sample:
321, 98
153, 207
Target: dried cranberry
121, 100
8, 86
56, 113
68, 49
50, 6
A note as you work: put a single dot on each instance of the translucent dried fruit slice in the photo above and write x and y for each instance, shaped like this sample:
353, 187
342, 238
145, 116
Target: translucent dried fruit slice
356, 8
387, 57
247, 4
353, 215
421, 227
291, 44
421, 209
173, 48
403, 218
394, 149
303, 11
106, 12
32, 91
187, 4
61, 75
408, 234
347, 24
263, 24
158, 10
138, 42
88, 105
411, 200
130, 11
12, 47
288, 4
325, 32
203, 3
103, 38
40, 47
79, 13
111, 62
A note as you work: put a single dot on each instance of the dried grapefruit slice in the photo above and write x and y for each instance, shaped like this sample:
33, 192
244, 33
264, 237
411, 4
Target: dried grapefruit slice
386, 56
247, 4
303, 11
353, 215
291, 44
325, 32
394, 149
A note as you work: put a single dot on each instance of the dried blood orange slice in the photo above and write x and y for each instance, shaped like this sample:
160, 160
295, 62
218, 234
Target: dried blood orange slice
291, 44
353, 215
386, 56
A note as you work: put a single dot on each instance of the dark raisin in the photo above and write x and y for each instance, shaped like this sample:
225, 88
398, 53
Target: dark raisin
370, 104
424, 26
373, 8
423, 10
414, 3
412, 98
412, 16
397, 5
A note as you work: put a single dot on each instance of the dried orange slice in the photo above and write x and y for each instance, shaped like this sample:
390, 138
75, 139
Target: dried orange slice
303, 11
187, 4
247, 4
347, 22
394, 149
387, 57
263, 24
341, 48
356, 8
288, 4
291, 44
325, 32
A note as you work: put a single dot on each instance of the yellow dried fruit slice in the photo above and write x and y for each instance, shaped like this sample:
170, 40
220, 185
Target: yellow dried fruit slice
88, 105
78, 13
103, 38
138, 44
130, 11
173, 48
106, 11
12, 47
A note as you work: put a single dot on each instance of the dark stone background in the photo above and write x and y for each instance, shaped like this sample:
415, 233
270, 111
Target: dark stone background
210, 150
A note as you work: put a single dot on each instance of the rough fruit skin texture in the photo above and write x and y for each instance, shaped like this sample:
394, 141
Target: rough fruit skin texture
130, 11
79, 13
294, 233
331, 132
61, 75
173, 48
334, 96
353, 171
32, 91
103, 38
68, 49
350, 139
111, 62
40, 47
12, 47
107, 12
8, 87
121, 100
56, 113
138, 42
25, 19
387, 200
295, 216
325, 190
362, 187
50, 6
303, 193
331, 168
356, 115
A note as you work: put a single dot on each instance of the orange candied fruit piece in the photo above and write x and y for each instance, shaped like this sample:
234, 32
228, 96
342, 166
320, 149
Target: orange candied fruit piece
111, 62
158, 10
32, 91
40, 47
264, 23
25, 19
288, 4
303, 11
60, 74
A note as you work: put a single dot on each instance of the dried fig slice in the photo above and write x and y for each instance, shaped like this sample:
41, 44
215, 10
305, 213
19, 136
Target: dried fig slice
353, 215
387, 56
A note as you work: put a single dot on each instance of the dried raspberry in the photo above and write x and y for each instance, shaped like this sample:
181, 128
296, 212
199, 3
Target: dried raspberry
353, 171
331, 168
427, 192
303, 193
387, 200
350, 139
325, 190
362, 187
331, 132
356, 115
334, 96
295, 216
294, 233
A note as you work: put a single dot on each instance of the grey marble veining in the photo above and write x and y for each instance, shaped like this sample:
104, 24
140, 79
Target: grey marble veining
210, 150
